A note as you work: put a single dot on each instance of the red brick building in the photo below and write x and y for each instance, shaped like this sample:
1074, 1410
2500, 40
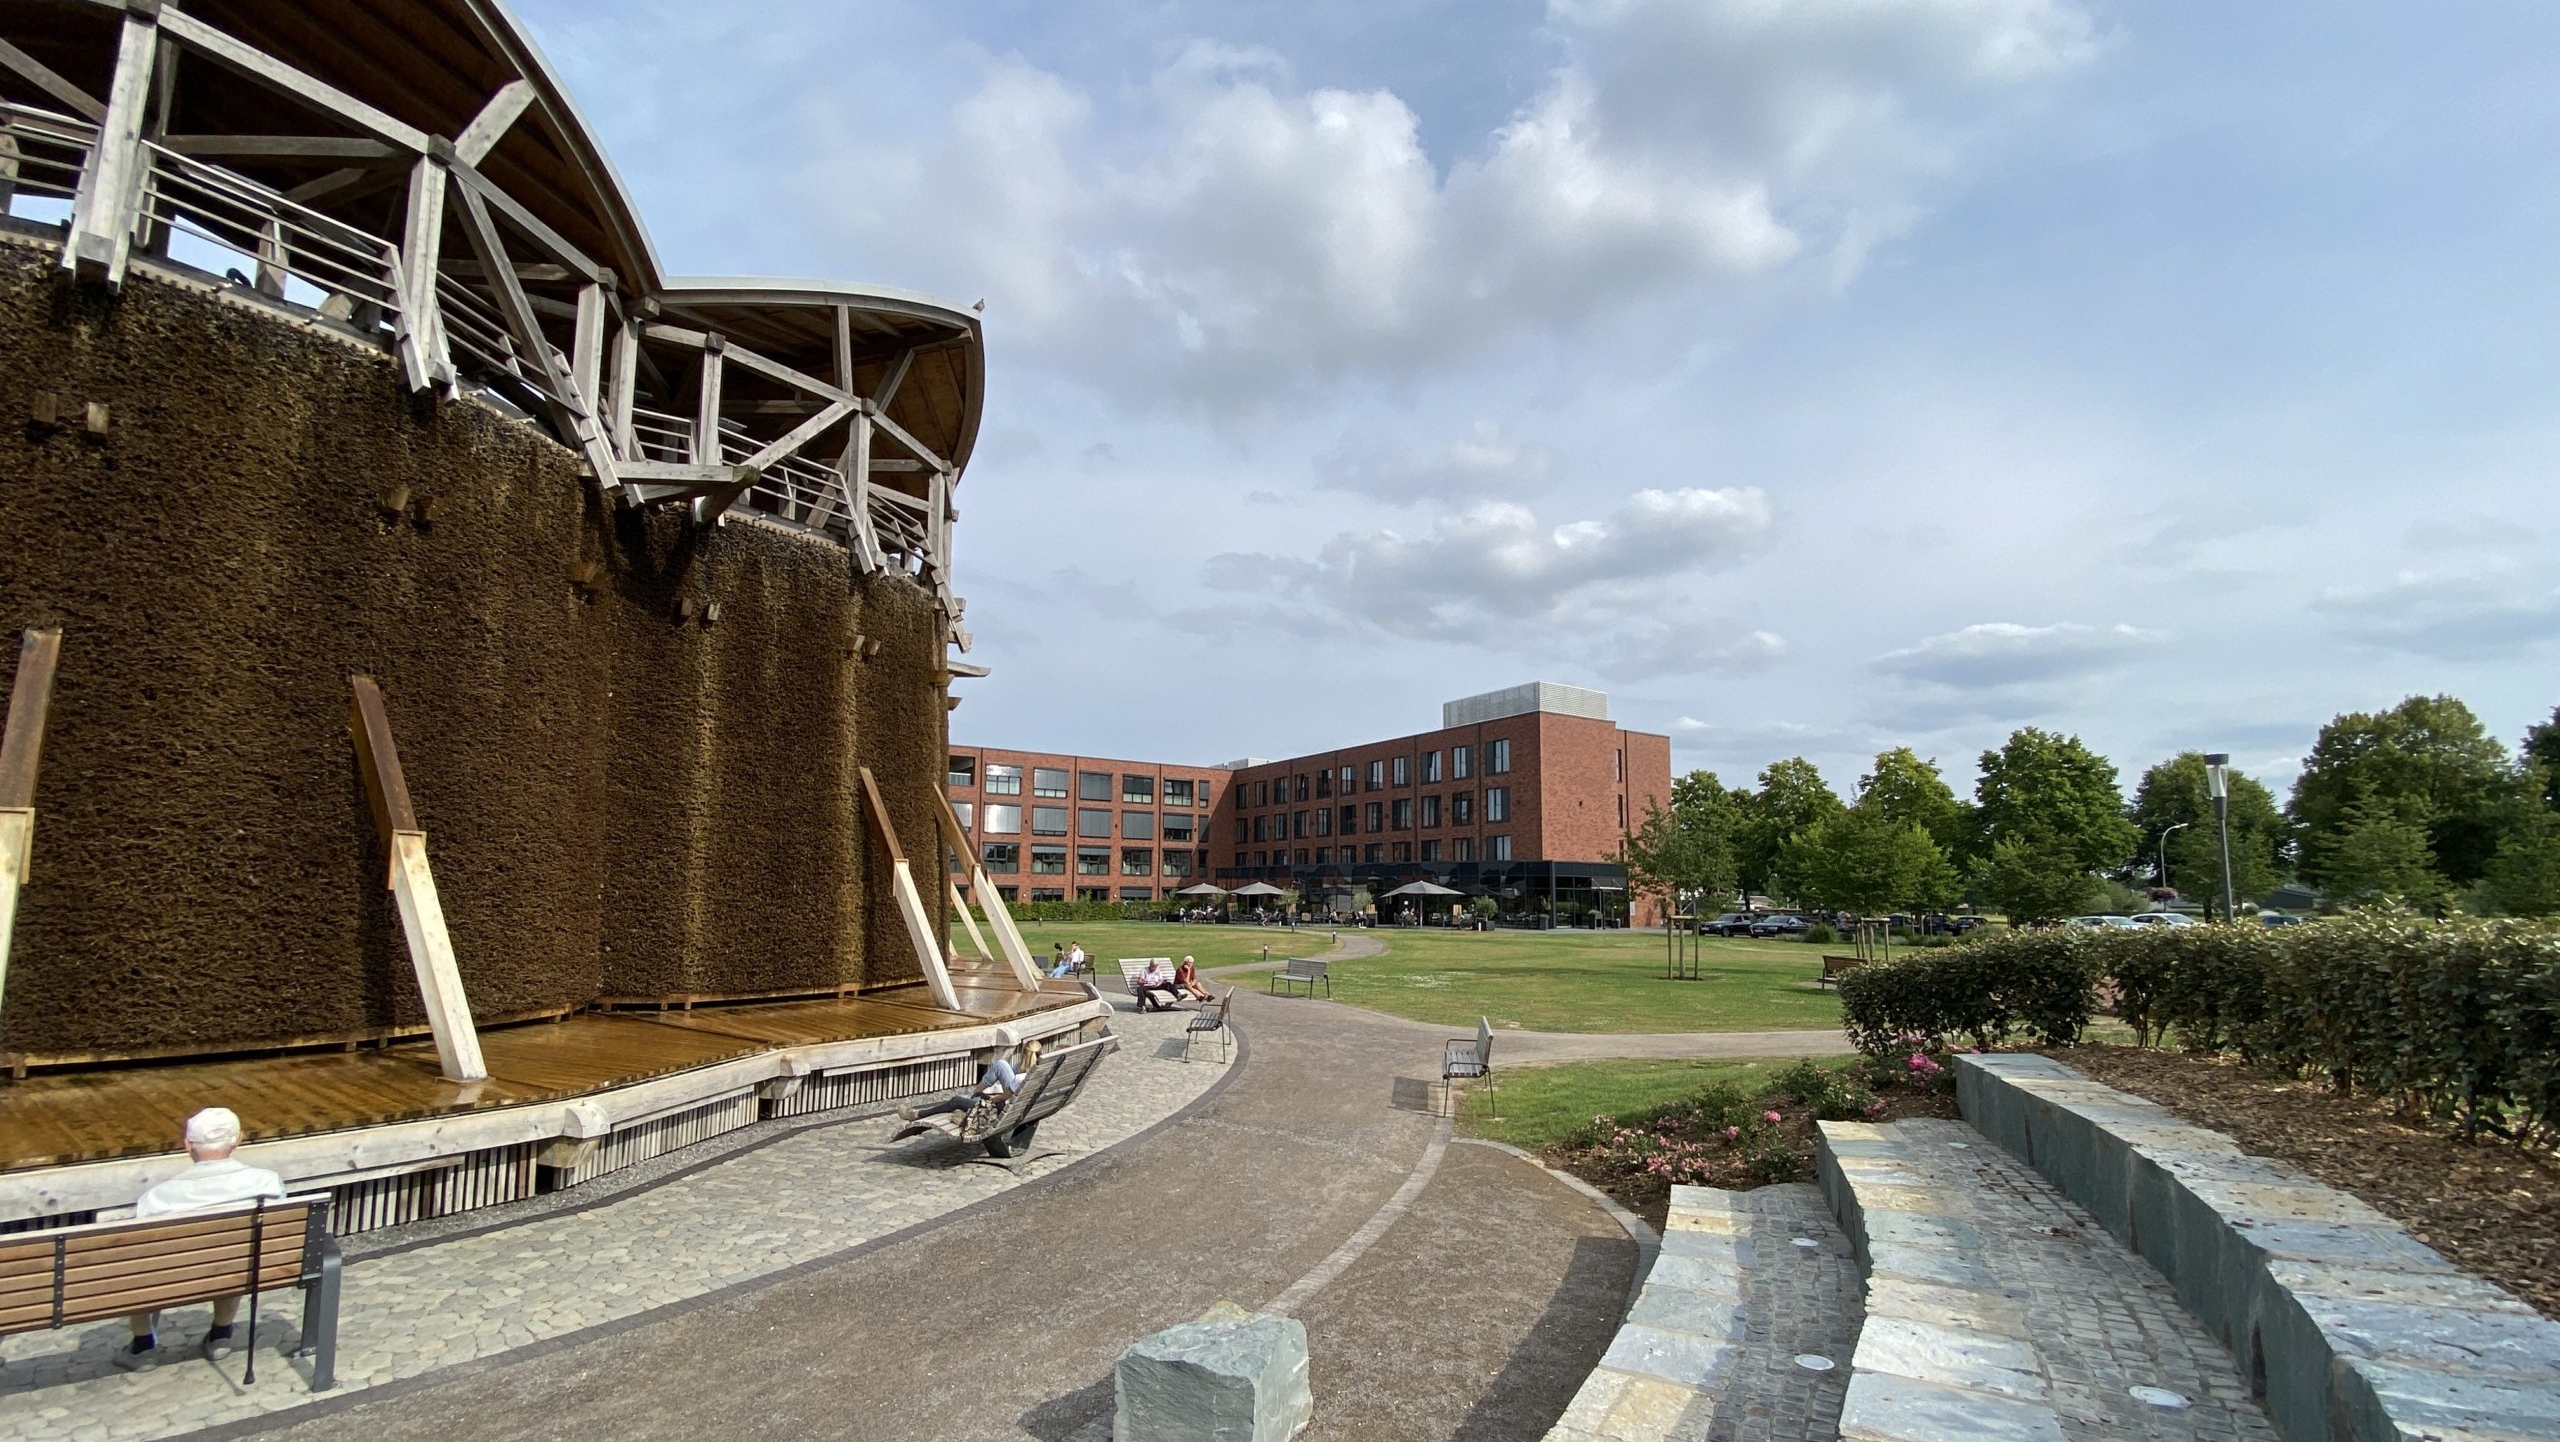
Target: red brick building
1524, 795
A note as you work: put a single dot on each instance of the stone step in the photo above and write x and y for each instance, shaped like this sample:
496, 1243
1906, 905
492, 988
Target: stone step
1746, 1283
1997, 1309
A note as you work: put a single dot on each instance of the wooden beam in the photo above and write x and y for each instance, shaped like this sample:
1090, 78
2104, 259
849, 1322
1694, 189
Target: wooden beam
718, 502
36, 73
706, 409
898, 433
586, 348
413, 886
354, 183
797, 379
284, 147
30, 703
896, 377
532, 225
494, 120
424, 359
844, 348
856, 472
626, 387
902, 882
101, 234
960, 907
1016, 953
221, 48
571, 410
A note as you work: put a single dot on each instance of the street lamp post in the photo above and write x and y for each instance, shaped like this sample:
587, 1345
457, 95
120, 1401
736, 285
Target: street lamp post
2217, 784
2164, 851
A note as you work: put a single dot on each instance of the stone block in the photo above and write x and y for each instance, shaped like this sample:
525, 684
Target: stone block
1881, 1407
1995, 1313
1231, 1377
1684, 1358
2381, 1401
1956, 1357
1625, 1407
1677, 1309
1942, 1265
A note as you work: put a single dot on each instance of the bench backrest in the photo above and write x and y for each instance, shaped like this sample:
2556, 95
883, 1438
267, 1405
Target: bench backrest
105, 1269
1051, 1084
1304, 967
1484, 1042
1834, 965
1132, 967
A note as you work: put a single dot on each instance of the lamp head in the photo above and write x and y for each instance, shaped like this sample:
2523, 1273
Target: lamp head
2217, 774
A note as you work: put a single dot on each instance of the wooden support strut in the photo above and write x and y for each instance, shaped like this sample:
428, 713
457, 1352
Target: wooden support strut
21, 743
414, 886
902, 881
1017, 955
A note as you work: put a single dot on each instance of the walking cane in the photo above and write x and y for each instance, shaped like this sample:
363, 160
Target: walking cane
257, 1249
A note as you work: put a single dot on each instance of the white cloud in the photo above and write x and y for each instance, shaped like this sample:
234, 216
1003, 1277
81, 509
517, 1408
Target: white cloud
1486, 462
2004, 653
2464, 617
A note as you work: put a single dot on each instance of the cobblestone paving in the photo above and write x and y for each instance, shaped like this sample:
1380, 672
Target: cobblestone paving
1802, 1301
2102, 1319
815, 1192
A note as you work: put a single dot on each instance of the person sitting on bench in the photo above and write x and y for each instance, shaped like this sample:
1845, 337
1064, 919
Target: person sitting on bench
214, 1181
1186, 982
1155, 987
1001, 1079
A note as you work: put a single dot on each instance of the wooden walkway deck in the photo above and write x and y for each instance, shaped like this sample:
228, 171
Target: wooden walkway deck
59, 1118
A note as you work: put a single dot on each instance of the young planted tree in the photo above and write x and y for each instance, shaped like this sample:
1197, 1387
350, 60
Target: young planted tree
1685, 855
2524, 877
2034, 879
1792, 796
2380, 857
1865, 862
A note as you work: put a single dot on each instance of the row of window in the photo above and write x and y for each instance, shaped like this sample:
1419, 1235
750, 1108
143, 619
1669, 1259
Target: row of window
1004, 858
1374, 817
1083, 893
1004, 818
1051, 781
1461, 848
1383, 773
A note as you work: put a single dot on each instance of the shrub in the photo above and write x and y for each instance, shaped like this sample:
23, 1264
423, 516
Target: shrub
2041, 982
1832, 1096
1821, 934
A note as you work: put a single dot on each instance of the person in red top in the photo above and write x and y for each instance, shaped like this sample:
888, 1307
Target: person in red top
1186, 982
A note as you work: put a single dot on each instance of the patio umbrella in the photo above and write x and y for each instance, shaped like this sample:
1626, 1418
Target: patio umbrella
1420, 889
1206, 888
1260, 888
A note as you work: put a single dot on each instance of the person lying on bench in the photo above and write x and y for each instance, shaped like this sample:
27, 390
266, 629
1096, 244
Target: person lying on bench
1156, 988
1186, 982
1000, 1080
214, 1181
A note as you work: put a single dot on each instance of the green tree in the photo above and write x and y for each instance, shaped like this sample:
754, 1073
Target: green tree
2524, 877
2033, 878
1685, 855
2060, 795
2172, 793
1792, 796
2426, 757
1904, 788
2380, 856
2542, 749
1865, 862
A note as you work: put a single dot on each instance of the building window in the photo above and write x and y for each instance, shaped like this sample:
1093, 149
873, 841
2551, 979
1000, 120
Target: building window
1498, 761
1619, 772
1374, 853
1262, 858
1462, 808
1262, 793
1262, 828
1001, 858
1350, 820
1093, 786
1497, 804
1460, 758
1047, 893
966, 811
1244, 833
964, 771
1137, 790
1430, 767
1346, 781
1404, 770
1401, 851
1009, 893
1177, 793
1049, 781
1324, 821
1324, 782
1093, 861
1180, 826
1462, 848
1298, 825
1003, 819
1430, 811
1093, 893
1048, 861
1622, 813
1431, 851
1377, 817
1048, 821
1302, 856
1177, 863
1497, 848
1003, 780
1377, 775
1137, 893
1202, 794
1137, 861
1324, 856
1302, 786
1091, 821
1138, 825
1404, 814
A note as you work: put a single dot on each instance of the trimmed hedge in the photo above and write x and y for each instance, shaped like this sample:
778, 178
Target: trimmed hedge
2458, 1018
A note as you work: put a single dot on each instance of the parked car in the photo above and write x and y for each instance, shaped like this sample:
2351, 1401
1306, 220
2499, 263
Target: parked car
1781, 926
2278, 918
1732, 923
2100, 923
2162, 918
1963, 924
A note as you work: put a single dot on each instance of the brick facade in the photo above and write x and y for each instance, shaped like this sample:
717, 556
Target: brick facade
1135, 818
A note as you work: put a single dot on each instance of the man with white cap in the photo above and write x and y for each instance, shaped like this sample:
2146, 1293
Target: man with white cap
214, 1181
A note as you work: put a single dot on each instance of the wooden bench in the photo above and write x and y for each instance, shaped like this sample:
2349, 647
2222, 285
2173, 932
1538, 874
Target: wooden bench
1210, 1021
1300, 971
1006, 1127
1133, 967
1467, 1059
1834, 966
72, 1275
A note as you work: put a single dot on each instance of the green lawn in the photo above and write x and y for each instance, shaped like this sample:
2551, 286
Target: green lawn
1587, 981
1107, 941
1539, 1105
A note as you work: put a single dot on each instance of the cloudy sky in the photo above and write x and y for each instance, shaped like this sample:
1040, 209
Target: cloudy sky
1814, 376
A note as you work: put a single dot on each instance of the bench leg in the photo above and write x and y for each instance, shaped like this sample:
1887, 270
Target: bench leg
320, 1322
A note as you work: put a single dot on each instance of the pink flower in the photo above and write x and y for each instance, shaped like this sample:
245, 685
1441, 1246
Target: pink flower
1772, 1118
1732, 1133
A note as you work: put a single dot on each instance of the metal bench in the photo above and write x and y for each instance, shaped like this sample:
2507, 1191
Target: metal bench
71, 1275
1300, 971
1466, 1059
1005, 1128
1210, 1021
1834, 966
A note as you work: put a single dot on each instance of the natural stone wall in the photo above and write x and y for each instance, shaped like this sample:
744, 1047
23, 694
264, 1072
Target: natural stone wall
619, 800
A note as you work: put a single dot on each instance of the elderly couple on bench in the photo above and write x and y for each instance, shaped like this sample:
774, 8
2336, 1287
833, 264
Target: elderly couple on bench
1158, 989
